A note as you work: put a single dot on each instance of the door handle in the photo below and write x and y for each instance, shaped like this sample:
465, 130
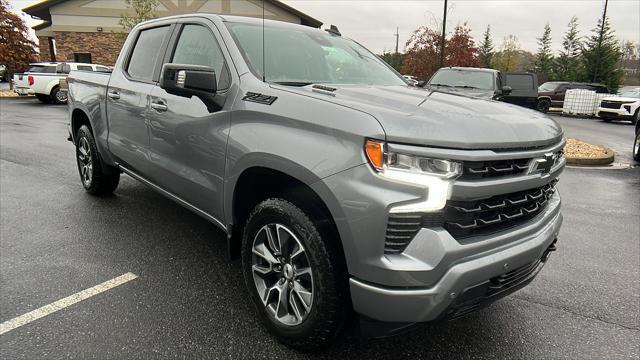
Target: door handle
113, 95
159, 106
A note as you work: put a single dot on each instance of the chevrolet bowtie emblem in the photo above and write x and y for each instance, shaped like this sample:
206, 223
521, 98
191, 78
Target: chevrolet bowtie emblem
542, 165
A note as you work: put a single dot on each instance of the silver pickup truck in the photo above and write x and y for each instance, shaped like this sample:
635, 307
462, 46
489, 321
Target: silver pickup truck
350, 196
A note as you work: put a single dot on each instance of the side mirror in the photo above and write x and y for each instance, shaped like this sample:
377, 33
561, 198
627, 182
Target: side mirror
188, 80
421, 83
506, 90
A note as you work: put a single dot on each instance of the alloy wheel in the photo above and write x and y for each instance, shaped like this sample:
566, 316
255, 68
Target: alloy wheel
85, 163
61, 96
282, 274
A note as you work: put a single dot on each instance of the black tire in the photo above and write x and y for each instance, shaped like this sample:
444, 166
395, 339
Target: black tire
636, 117
57, 96
44, 98
94, 178
328, 310
543, 105
636, 148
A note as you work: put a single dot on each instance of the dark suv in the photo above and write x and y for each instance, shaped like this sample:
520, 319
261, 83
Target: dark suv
551, 93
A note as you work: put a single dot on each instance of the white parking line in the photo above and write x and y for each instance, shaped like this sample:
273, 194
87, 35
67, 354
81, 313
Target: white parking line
63, 303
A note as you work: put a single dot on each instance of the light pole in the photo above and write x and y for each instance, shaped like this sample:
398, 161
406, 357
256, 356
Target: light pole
444, 29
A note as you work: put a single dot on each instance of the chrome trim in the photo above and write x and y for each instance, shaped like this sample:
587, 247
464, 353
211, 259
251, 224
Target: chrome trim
173, 197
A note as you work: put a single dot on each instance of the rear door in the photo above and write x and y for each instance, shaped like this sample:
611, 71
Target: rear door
524, 88
188, 138
128, 94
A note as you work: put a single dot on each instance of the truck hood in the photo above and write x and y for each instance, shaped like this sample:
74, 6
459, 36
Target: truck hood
417, 116
621, 99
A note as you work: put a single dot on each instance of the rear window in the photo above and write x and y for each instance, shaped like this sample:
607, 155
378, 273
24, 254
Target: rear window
146, 53
42, 69
85, 68
548, 86
519, 81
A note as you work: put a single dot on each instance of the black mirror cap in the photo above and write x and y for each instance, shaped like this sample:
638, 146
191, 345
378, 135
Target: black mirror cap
421, 83
506, 90
187, 80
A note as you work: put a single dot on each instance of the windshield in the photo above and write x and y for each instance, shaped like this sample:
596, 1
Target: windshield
299, 56
633, 93
464, 79
548, 86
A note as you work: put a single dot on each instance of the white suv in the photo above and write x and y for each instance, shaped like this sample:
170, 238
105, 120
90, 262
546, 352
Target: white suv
625, 106
43, 80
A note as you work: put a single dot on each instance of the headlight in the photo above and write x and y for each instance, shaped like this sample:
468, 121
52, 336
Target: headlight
434, 174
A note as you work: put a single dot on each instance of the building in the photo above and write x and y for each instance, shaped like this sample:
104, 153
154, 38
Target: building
89, 30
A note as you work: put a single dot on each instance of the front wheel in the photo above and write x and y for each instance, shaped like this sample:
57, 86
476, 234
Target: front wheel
292, 276
92, 172
543, 105
636, 148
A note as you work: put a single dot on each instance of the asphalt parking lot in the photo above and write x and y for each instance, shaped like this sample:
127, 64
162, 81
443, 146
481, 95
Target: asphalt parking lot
188, 301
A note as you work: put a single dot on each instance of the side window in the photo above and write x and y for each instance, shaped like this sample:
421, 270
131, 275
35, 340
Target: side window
146, 53
198, 46
520, 81
85, 68
48, 70
102, 69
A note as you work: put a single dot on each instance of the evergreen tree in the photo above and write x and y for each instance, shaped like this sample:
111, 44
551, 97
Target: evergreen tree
568, 66
486, 48
544, 57
601, 57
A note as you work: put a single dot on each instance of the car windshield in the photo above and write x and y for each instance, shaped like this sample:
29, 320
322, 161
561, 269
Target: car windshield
548, 86
298, 56
464, 79
633, 93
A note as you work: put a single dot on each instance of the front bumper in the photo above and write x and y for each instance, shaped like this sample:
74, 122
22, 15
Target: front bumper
463, 288
614, 113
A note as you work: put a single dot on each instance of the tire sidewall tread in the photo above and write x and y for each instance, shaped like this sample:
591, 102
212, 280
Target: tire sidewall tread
101, 183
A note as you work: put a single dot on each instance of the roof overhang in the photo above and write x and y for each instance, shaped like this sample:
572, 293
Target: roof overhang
40, 10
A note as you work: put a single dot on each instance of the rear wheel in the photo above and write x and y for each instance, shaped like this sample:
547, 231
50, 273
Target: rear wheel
58, 96
92, 174
543, 105
44, 98
292, 276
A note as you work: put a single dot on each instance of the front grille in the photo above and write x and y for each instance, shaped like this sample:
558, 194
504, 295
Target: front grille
469, 218
486, 169
610, 104
473, 218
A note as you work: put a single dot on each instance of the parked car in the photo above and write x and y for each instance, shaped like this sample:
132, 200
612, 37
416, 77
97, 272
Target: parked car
4, 73
412, 80
43, 79
340, 186
551, 93
636, 143
515, 88
625, 107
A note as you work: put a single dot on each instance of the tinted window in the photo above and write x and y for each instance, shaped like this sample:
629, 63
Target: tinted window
464, 78
146, 53
548, 86
518, 81
42, 69
85, 68
198, 46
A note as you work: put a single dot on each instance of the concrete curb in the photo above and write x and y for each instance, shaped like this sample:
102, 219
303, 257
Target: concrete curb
606, 159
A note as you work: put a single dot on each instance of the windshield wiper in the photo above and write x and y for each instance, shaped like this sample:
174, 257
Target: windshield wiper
467, 87
293, 83
440, 85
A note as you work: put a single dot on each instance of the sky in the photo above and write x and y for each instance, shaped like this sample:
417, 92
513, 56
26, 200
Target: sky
373, 23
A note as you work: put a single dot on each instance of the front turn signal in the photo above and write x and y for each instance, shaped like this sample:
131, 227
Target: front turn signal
375, 153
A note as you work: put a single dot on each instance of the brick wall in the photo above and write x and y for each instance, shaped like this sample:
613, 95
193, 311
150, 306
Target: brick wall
103, 46
45, 52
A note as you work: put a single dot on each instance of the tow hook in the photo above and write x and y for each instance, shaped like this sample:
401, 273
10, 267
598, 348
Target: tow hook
549, 250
